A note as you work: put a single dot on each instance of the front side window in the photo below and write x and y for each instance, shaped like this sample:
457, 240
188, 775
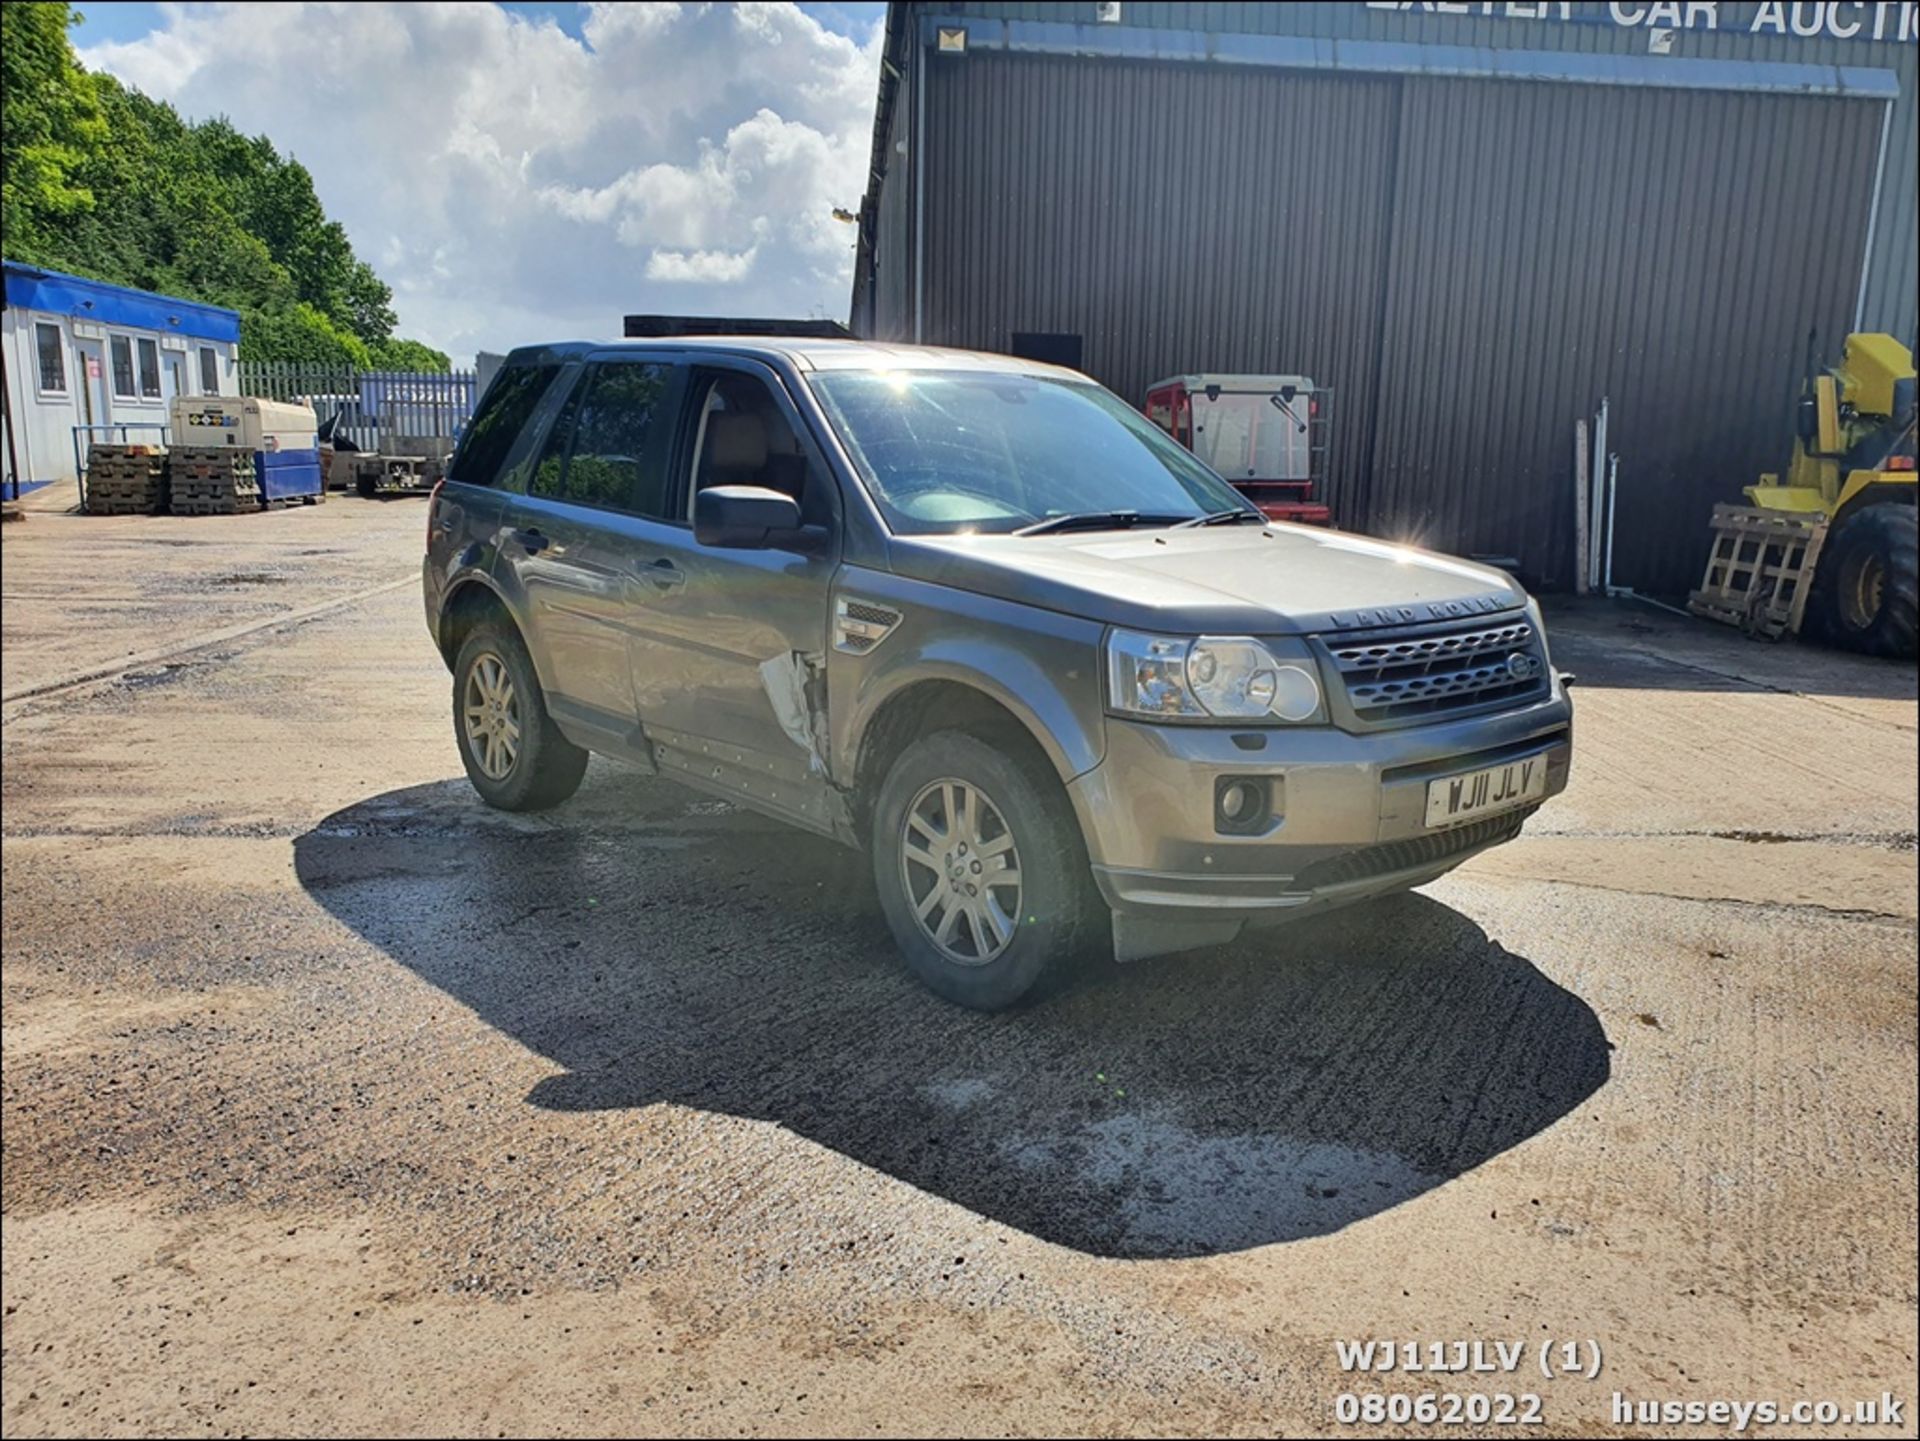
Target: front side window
504, 412
209, 370
53, 359
745, 439
149, 370
121, 348
945, 452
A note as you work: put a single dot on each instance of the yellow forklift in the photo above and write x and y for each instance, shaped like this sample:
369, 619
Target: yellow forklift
1830, 547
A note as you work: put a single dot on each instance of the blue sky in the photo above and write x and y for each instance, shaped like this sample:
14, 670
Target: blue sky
123, 20
533, 172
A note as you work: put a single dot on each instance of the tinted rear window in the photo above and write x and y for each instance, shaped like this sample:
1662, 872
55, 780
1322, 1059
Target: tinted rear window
508, 406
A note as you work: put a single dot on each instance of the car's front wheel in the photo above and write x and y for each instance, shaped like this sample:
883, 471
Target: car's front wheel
514, 753
980, 870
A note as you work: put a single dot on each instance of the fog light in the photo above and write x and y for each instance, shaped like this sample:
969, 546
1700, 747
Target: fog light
1242, 805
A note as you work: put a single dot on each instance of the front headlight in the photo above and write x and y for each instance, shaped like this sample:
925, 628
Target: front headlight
1227, 677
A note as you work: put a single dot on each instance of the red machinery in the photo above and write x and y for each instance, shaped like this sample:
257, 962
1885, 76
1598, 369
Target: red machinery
1264, 433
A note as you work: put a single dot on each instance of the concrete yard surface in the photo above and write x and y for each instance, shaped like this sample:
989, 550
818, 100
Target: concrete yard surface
337, 1103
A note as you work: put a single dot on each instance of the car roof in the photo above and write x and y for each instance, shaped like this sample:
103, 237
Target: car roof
804, 353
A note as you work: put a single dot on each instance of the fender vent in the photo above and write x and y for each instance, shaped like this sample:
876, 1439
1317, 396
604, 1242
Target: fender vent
860, 625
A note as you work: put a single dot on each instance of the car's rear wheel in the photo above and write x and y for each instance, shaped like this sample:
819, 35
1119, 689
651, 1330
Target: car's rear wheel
514, 753
980, 870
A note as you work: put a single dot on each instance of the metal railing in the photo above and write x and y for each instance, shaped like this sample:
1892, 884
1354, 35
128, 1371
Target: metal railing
388, 411
80, 455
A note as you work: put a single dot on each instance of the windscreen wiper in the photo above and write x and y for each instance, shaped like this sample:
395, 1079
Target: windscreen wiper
1092, 520
1222, 517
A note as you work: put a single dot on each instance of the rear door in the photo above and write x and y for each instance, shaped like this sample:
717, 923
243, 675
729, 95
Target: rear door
729, 644
590, 512
464, 519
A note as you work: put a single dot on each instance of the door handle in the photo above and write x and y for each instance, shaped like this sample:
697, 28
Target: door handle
533, 540
664, 573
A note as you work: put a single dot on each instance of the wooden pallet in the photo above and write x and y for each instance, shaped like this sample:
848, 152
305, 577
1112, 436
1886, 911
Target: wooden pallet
144, 492
216, 505
192, 471
213, 489
1761, 569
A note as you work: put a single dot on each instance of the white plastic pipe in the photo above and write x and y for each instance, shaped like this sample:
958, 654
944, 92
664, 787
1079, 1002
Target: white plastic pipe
1613, 492
1582, 503
1596, 527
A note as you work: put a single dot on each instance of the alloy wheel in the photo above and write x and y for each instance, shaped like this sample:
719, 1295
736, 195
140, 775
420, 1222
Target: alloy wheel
961, 869
492, 711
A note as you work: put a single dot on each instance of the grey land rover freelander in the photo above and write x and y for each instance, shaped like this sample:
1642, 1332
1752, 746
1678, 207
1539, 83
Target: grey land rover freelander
978, 616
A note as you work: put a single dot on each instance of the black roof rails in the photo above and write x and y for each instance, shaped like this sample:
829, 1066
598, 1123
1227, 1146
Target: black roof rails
640, 327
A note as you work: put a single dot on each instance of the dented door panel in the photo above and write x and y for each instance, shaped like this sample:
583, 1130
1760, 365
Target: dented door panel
727, 666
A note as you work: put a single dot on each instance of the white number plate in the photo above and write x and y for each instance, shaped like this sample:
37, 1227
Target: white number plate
1483, 793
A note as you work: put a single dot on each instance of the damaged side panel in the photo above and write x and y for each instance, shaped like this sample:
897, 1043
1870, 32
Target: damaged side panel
763, 747
796, 685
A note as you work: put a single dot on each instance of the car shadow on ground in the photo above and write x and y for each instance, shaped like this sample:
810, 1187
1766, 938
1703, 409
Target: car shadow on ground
663, 948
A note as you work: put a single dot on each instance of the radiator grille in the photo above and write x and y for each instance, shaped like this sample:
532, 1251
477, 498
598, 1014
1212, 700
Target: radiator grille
1399, 677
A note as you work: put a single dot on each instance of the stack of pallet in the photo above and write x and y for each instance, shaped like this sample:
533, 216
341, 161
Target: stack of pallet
126, 479
211, 480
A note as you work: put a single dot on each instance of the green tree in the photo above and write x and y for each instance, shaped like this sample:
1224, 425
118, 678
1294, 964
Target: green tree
48, 123
301, 332
408, 355
103, 181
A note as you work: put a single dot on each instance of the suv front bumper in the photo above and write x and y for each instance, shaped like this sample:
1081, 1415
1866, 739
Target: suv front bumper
1351, 814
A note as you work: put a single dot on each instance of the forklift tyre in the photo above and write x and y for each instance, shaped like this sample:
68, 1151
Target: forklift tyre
1867, 594
367, 486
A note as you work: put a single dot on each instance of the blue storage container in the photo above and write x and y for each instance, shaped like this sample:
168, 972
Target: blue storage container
288, 474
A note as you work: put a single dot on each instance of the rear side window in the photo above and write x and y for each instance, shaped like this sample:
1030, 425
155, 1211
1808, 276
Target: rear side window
617, 430
490, 435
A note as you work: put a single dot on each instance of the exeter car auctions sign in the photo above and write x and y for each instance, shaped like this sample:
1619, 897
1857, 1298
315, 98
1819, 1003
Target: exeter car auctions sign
1895, 20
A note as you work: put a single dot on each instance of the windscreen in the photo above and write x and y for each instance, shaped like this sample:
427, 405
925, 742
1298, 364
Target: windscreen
1245, 436
953, 451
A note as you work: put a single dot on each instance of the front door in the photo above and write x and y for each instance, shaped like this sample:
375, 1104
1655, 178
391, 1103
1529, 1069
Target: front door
729, 644
93, 385
591, 515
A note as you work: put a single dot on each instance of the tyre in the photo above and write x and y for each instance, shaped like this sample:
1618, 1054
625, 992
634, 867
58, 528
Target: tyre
514, 753
1868, 588
367, 486
980, 868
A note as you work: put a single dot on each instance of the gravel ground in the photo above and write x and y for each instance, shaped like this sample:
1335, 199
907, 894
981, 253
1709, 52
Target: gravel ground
336, 1103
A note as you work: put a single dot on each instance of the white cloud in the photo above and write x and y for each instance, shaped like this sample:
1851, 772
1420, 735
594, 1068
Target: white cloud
513, 184
699, 265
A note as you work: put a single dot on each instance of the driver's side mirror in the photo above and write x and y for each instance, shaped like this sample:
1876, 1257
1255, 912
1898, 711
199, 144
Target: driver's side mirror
745, 517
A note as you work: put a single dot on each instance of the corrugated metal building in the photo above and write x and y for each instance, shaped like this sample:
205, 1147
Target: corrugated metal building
1473, 221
